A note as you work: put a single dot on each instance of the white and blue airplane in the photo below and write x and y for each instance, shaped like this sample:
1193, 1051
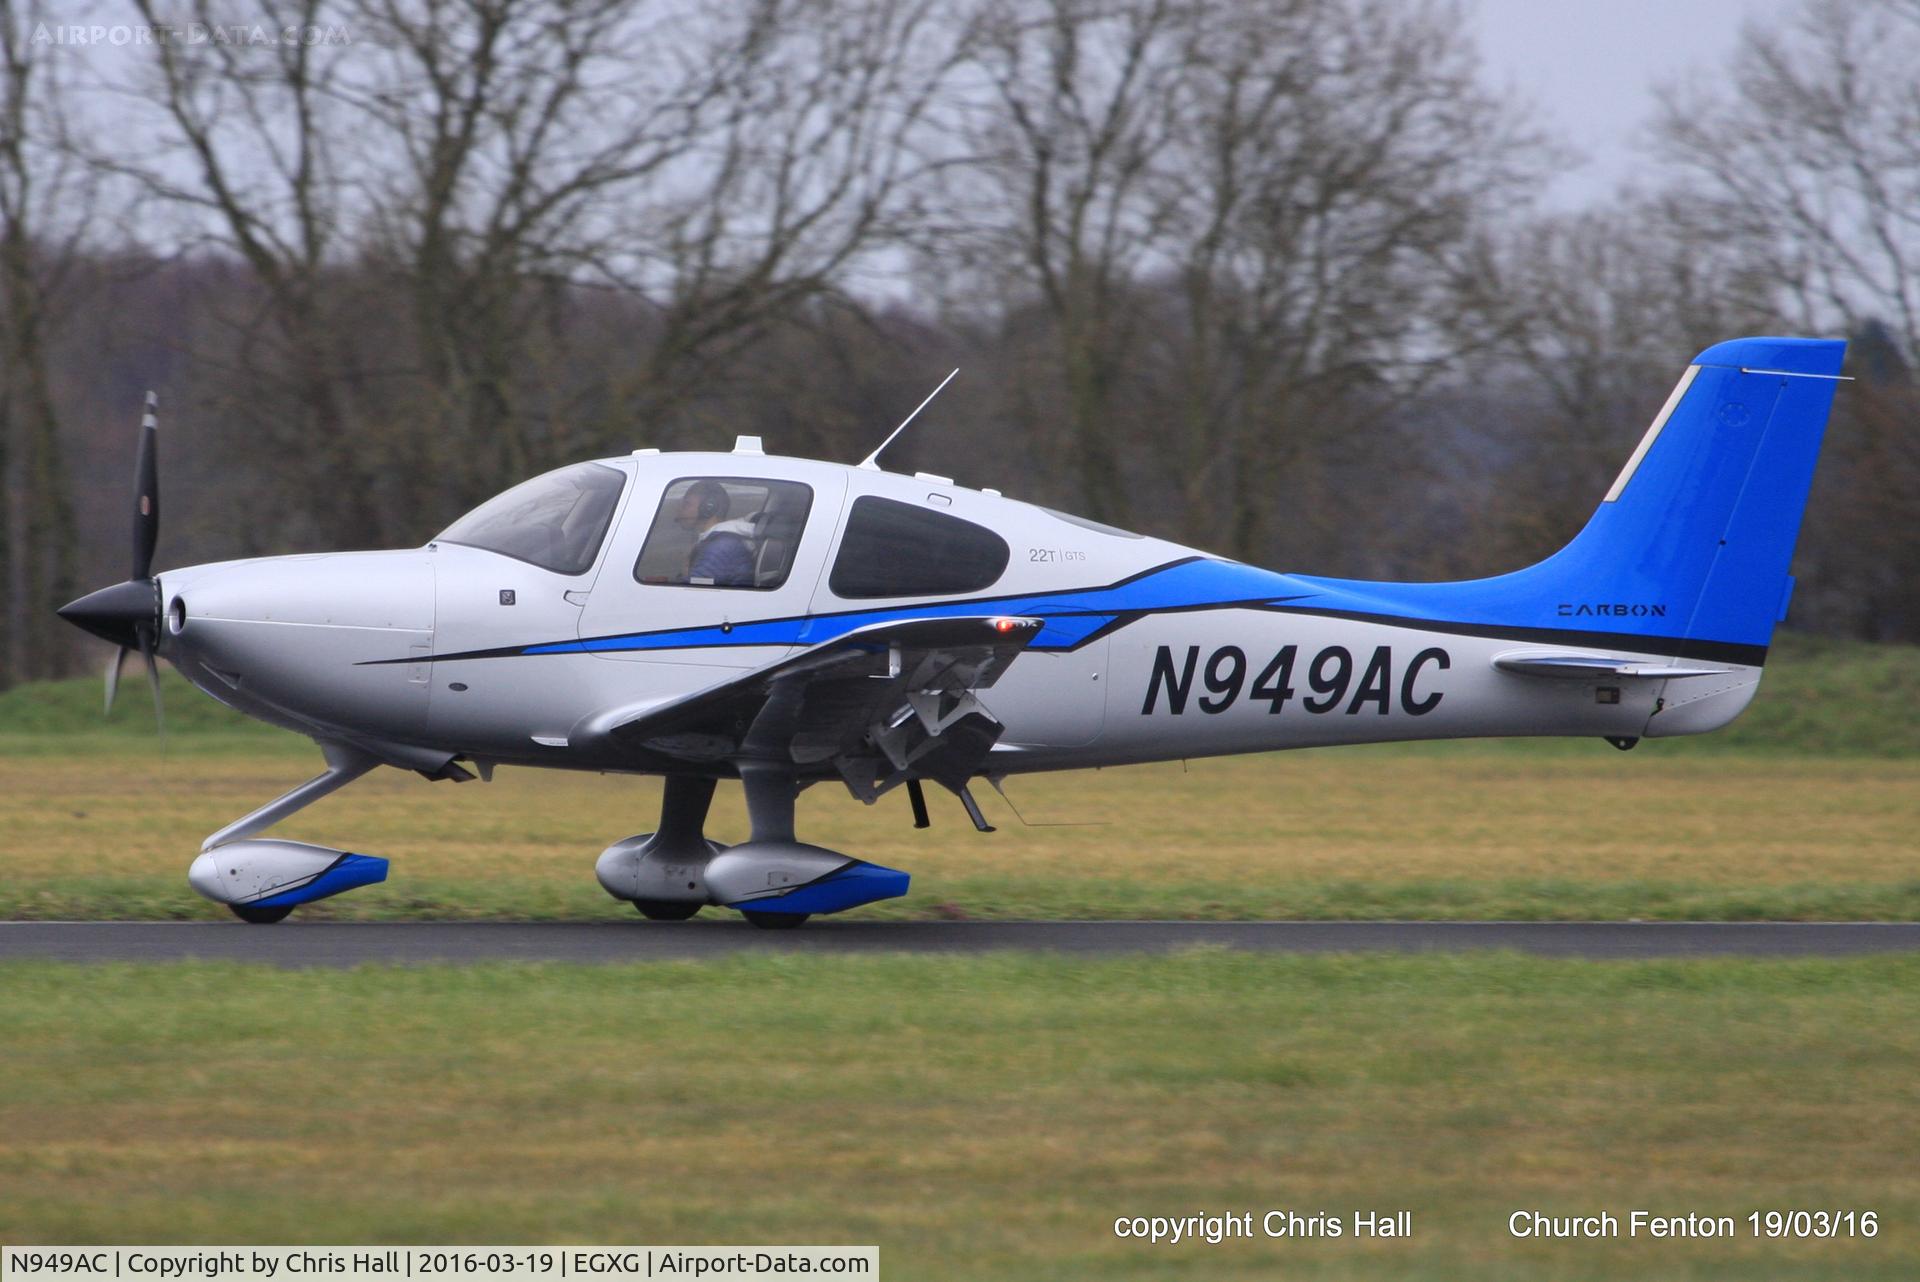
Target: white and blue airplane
787, 622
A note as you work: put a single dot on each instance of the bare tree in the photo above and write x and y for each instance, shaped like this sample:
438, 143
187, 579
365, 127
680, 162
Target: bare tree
1810, 160
1233, 217
36, 253
1859, 562
1596, 314
255, 157
508, 127
427, 208
811, 162
1060, 192
1334, 167
13, 174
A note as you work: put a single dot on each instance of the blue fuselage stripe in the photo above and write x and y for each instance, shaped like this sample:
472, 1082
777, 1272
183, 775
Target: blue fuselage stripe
1072, 618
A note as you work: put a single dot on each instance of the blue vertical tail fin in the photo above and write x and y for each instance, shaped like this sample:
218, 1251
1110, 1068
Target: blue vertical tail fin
1688, 552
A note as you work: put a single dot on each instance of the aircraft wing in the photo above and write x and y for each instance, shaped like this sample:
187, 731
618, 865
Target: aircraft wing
1589, 667
880, 703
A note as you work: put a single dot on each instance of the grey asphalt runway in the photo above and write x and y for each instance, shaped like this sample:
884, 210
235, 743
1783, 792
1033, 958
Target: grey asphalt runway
352, 943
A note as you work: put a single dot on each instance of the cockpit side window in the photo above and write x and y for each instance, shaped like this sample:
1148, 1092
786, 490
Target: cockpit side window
896, 549
725, 532
556, 521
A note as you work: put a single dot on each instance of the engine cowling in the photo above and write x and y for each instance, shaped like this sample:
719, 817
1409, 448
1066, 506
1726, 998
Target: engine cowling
267, 872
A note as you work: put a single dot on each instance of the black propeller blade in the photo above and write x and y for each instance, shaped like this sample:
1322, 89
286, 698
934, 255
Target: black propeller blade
128, 614
144, 642
113, 676
146, 492
153, 682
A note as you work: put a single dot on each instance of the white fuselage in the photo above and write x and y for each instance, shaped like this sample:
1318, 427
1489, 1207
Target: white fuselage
451, 651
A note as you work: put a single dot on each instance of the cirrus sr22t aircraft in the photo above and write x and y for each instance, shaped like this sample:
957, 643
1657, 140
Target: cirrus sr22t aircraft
785, 622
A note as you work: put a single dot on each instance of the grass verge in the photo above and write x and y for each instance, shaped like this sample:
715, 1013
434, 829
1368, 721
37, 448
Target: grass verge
1452, 832
977, 1117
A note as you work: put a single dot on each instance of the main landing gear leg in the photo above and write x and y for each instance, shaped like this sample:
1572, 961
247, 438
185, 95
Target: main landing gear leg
263, 879
771, 793
663, 873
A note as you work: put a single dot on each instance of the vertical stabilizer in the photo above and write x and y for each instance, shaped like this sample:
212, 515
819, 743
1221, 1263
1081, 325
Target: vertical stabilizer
1688, 552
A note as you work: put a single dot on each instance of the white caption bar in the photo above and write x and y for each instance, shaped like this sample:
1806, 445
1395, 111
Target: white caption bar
453, 1263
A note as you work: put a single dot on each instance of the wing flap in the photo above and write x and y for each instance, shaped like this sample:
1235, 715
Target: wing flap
873, 702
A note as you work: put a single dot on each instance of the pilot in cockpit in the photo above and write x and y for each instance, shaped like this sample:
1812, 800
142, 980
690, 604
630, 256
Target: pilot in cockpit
722, 552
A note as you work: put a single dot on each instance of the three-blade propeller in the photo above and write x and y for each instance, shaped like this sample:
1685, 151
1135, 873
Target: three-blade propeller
128, 614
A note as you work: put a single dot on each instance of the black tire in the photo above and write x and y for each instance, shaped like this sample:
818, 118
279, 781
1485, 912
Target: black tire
666, 909
776, 921
260, 916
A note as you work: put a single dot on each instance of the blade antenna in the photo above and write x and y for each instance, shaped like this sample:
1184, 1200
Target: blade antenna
998, 781
872, 461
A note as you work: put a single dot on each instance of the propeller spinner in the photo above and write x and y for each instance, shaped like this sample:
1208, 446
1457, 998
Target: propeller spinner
128, 614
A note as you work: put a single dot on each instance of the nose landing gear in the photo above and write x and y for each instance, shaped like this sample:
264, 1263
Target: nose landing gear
261, 880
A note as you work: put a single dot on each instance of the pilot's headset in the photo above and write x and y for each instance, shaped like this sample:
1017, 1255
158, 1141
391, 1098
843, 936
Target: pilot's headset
714, 501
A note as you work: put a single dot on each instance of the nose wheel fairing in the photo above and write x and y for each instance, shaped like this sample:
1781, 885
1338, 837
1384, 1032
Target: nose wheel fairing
271, 873
261, 878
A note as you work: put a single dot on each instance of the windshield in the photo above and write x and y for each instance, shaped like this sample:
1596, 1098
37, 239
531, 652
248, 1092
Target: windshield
555, 521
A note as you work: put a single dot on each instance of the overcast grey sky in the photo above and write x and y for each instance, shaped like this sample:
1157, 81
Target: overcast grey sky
1591, 67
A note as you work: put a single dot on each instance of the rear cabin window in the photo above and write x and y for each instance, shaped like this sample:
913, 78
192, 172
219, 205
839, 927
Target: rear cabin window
725, 532
896, 549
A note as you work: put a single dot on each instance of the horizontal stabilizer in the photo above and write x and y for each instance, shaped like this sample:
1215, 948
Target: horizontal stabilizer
1588, 667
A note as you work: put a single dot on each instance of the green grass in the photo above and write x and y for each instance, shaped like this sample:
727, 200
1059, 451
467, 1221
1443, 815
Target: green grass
989, 1117
73, 709
1383, 832
977, 1117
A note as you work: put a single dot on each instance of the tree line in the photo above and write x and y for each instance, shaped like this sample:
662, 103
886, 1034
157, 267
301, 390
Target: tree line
1264, 278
